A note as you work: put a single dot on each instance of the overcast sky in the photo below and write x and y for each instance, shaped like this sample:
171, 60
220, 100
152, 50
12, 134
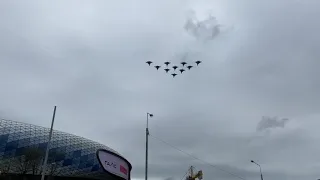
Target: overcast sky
88, 58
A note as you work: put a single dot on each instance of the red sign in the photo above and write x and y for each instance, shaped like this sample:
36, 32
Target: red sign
123, 170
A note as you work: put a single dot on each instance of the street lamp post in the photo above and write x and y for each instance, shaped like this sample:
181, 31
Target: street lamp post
259, 167
147, 138
48, 145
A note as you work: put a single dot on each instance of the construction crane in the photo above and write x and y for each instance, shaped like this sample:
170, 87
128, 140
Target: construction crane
192, 176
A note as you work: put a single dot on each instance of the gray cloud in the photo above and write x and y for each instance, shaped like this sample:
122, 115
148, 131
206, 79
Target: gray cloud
206, 29
271, 122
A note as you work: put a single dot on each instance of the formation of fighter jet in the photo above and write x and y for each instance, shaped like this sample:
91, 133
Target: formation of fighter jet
174, 67
184, 66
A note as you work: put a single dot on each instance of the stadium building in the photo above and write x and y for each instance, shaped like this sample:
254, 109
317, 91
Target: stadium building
22, 148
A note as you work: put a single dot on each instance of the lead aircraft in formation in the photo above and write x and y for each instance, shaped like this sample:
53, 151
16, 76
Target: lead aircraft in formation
184, 66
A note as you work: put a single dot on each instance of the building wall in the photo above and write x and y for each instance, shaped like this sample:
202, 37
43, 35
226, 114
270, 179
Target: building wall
72, 156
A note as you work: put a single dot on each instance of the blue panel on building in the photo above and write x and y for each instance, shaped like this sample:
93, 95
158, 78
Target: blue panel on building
43, 146
67, 162
20, 151
11, 145
77, 154
95, 167
4, 139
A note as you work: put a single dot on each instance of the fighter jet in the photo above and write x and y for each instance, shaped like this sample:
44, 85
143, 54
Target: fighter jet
167, 63
198, 62
157, 67
189, 67
149, 62
181, 70
174, 67
167, 70
174, 74
183, 63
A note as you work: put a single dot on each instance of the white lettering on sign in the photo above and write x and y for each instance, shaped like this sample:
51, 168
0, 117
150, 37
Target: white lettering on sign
114, 164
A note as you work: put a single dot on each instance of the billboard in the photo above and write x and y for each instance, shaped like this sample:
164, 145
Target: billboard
114, 164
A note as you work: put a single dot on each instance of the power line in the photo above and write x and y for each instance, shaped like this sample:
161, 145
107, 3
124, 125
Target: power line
185, 175
214, 166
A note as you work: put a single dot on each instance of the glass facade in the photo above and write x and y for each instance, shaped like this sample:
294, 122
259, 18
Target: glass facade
71, 155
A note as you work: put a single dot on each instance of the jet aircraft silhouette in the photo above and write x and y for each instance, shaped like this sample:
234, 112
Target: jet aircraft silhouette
174, 67
198, 62
181, 70
183, 63
174, 74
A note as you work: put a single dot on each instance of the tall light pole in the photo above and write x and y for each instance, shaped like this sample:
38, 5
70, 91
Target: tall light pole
259, 167
48, 145
147, 138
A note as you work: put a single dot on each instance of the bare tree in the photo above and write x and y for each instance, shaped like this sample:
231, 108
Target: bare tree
54, 169
54, 162
56, 159
21, 164
29, 161
5, 166
35, 157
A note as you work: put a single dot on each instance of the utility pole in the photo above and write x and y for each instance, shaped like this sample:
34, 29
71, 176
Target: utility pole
48, 145
259, 167
147, 138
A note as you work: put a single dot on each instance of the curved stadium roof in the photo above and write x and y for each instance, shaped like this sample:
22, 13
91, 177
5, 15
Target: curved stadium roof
77, 155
